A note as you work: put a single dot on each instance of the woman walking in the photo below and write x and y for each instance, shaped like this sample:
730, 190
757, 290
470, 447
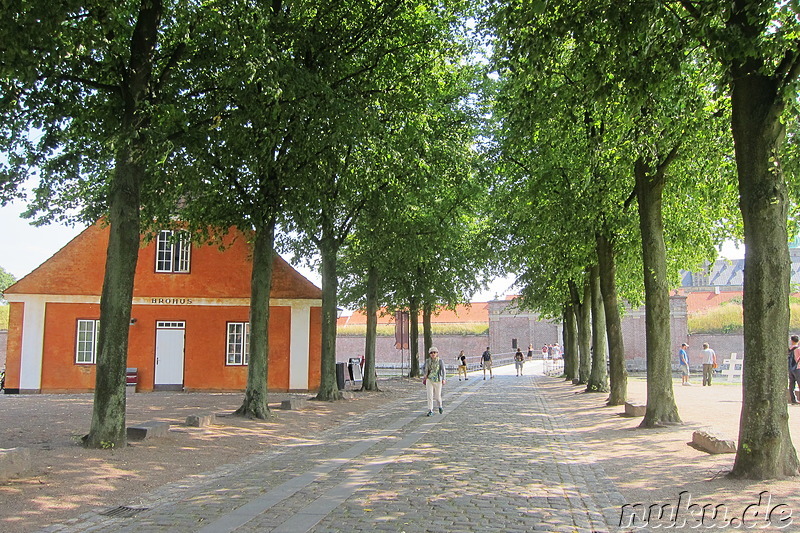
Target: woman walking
462, 365
434, 379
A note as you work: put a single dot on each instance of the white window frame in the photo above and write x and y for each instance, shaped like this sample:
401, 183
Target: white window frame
237, 351
86, 341
173, 253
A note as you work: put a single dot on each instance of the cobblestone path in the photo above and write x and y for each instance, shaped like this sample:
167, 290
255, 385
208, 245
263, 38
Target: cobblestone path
495, 460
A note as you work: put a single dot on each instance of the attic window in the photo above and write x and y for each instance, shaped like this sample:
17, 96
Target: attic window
173, 251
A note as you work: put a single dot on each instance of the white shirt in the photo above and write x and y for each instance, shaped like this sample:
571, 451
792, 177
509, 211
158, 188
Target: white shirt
708, 356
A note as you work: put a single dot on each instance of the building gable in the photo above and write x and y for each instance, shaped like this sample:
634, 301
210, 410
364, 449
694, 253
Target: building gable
78, 269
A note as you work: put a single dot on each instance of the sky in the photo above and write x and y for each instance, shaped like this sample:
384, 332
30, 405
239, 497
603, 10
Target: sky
24, 247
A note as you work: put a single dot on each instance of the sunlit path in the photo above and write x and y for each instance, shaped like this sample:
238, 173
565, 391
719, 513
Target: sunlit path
495, 460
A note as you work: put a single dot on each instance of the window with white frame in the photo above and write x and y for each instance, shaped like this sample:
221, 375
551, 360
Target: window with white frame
86, 344
238, 343
173, 251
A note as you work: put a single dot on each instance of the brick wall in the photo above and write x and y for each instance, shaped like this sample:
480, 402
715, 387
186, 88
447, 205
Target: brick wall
386, 354
723, 345
506, 322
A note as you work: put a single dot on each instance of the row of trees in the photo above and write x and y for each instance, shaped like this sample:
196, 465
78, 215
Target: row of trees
350, 131
605, 105
344, 128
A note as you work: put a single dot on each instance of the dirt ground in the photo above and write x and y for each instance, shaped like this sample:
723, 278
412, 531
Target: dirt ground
67, 480
659, 467
648, 466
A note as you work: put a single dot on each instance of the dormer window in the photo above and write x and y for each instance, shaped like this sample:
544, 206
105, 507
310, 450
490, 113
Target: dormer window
173, 251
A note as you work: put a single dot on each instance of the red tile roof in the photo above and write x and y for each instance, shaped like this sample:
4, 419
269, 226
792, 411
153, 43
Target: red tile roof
476, 312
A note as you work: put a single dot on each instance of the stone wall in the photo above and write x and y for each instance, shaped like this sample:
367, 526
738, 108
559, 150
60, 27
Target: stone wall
507, 323
387, 355
723, 345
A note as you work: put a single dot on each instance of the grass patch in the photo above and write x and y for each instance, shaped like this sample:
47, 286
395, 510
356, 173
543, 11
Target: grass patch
727, 318
384, 330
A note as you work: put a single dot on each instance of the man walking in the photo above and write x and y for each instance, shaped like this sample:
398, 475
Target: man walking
683, 364
709, 364
794, 372
487, 363
519, 360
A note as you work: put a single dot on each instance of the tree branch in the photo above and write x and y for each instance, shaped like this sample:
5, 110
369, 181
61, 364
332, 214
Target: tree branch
88, 83
169, 67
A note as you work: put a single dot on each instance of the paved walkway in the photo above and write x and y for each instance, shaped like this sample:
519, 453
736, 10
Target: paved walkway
496, 460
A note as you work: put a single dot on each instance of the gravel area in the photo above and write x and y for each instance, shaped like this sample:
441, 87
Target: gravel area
67, 480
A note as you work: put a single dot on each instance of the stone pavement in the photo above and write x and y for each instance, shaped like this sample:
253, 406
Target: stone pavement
496, 460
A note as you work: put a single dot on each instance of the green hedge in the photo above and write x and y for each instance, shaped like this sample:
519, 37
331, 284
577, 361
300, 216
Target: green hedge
359, 330
727, 318
4, 316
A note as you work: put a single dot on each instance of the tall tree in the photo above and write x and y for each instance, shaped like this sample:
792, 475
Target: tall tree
368, 63
598, 378
91, 79
650, 180
618, 371
756, 44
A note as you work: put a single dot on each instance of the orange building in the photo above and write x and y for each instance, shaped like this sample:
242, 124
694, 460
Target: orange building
189, 321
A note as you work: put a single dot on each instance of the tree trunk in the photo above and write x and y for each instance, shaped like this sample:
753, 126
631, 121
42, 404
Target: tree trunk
427, 335
255, 404
108, 410
765, 448
369, 379
328, 388
608, 288
413, 333
570, 343
598, 379
661, 407
585, 334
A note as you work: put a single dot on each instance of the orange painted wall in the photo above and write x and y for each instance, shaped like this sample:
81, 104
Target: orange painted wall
60, 372
205, 365
14, 344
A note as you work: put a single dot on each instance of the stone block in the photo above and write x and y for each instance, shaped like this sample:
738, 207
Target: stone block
635, 409
294, 403
347, 395
148, 430
712, 444
200, 421
13, 462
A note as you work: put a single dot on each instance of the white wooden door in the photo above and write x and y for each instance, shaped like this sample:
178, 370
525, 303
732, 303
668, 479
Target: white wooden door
170, 338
